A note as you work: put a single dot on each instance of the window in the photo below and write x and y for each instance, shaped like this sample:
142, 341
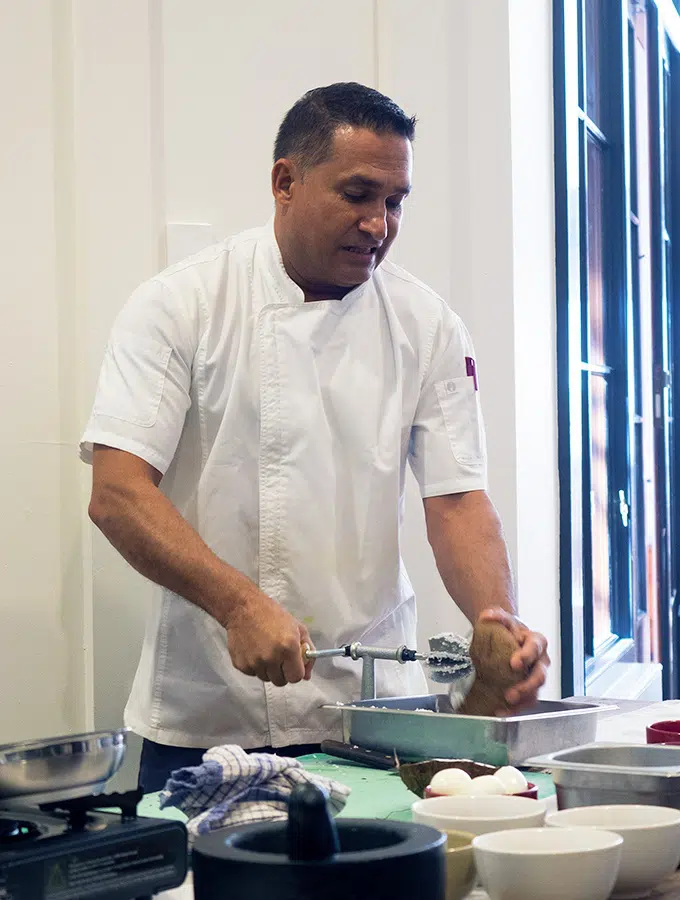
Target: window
614, 112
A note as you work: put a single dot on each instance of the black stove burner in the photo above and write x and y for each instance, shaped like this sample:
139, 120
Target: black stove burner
13, 831
75, 811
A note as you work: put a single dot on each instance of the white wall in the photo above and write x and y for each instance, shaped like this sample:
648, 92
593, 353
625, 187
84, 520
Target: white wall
149, 112
119, 200
42, 608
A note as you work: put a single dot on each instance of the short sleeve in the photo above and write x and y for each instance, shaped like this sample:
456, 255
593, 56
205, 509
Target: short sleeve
144, 386
447, 449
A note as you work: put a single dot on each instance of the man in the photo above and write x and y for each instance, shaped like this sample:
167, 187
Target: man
255, 412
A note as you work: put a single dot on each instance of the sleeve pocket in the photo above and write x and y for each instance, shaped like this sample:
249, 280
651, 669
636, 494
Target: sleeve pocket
459, 403
132, 380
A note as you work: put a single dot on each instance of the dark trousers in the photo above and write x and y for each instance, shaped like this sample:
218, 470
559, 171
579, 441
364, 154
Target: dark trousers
159, 760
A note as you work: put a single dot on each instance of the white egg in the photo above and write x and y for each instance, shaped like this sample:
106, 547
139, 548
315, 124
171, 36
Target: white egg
485, 784
512, 779
450, 781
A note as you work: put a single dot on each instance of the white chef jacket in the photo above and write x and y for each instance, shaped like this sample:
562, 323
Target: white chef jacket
282, 429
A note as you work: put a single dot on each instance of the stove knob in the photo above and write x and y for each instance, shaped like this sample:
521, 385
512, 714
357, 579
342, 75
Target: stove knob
13, 832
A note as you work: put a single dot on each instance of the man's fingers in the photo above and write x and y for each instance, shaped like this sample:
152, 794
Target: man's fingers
533, 648
261, 672
293, 668
305, 639
528, 689
533, 645
276, 676
243, 665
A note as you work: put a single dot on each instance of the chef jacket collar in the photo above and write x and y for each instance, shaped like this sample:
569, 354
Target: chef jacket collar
285, 290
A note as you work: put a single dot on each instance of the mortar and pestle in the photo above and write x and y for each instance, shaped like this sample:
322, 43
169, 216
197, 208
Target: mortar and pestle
313, 856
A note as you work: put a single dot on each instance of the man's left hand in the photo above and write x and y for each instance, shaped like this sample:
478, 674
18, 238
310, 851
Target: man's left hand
532, 658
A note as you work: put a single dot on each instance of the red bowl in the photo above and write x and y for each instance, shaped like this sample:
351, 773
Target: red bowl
531, 792
667, 732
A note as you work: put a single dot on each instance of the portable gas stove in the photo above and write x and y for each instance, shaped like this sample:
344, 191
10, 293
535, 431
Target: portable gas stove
86, 848
62, 838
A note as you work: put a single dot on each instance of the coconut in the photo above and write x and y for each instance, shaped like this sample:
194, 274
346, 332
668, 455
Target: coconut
491, 650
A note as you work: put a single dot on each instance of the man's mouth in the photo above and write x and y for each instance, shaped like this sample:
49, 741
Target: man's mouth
366, 252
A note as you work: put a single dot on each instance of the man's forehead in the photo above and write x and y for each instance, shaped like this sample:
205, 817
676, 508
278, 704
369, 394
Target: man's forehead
355, 144
374, 159
375, 180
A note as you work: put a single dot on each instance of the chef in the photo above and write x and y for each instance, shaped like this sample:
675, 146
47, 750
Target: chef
256, 410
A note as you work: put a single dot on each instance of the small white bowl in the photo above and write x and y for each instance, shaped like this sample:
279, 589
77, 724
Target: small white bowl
548, 863
651, 841
479, 815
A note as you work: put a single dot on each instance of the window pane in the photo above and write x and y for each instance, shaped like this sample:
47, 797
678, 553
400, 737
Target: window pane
599, 511
595, 220
632, 112
594, 31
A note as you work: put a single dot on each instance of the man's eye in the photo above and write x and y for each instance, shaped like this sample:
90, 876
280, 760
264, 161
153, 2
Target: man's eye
354, 198
394, 204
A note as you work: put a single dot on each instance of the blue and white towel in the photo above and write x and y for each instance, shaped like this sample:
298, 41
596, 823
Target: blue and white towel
233, 787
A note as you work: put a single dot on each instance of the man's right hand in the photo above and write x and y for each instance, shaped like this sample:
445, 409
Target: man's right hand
266, 641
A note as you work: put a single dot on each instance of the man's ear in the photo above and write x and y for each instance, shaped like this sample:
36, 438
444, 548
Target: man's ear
284, 176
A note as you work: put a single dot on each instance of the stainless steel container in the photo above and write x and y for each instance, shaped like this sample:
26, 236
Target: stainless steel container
426, 727
604, 773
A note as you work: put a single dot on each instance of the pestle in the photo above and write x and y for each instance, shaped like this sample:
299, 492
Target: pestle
311, 834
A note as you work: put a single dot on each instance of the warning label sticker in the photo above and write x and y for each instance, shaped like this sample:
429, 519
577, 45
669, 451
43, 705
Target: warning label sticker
93, 873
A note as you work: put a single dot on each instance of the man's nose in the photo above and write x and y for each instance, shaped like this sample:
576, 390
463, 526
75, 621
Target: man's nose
375, 225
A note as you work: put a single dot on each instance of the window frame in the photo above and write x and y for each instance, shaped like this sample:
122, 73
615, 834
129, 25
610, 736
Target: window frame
572, 130
569, 95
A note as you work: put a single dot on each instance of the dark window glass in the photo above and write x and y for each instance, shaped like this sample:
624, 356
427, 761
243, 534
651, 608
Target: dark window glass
594, 34
595, 226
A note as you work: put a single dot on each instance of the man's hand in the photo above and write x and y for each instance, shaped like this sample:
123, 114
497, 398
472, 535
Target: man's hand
266, 641
532, 658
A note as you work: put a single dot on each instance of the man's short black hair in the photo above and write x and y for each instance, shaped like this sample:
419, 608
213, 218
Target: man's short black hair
306, 133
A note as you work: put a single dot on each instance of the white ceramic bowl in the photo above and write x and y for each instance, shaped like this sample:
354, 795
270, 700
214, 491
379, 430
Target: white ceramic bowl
651, 841
479, 815
548, 863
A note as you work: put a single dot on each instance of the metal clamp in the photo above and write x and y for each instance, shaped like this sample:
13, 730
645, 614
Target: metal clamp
369, 655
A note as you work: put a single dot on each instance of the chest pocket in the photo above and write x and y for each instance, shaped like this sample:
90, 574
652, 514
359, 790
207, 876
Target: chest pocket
459, 402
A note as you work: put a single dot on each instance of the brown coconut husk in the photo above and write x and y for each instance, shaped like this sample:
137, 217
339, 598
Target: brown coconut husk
491, 650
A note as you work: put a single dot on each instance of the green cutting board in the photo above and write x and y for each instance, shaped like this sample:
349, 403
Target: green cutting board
376, 793
381, 794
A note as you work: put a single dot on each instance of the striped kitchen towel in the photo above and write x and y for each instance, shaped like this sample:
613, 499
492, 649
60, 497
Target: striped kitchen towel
233, 787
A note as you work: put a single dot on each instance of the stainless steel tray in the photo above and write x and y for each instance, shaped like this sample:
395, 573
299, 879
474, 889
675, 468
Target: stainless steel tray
603, 773
426, 727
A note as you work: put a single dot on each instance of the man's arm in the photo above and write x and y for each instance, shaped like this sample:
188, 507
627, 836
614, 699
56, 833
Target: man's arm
465, 534
146, 529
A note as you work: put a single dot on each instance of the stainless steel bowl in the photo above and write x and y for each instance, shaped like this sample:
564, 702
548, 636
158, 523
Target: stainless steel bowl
62, 767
